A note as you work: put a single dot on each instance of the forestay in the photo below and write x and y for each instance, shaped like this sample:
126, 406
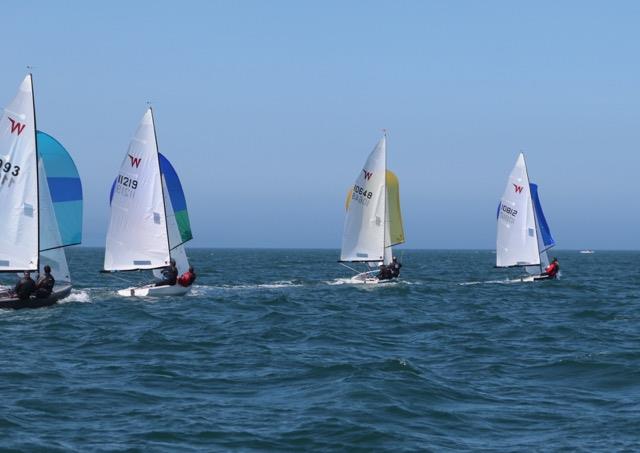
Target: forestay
137, 237
517, 241
19, 183
363, 237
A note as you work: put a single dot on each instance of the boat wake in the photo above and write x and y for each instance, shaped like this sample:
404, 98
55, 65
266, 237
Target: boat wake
350, 281
203, 290
492, 282
77, 295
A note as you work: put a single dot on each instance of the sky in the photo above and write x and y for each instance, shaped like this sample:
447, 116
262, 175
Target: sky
268, 110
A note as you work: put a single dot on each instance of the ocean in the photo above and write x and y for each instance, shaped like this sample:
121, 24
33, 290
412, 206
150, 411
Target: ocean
272, 350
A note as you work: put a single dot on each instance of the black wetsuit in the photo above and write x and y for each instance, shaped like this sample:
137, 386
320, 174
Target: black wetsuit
385, 273
395, 268
45, 286
170, 274
25, 287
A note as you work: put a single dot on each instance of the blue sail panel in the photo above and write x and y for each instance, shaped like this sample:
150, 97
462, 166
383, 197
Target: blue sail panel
176, 194
545, 232
64, 186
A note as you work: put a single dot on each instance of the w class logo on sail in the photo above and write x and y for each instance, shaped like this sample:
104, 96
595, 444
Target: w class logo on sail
135, 161
367, 174
16, 127
517, 188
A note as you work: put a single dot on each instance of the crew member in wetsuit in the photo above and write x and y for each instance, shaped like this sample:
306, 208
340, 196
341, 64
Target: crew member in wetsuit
187, 278
395, 267
44, 285
25, 287
385, 273
552, 269
170, 274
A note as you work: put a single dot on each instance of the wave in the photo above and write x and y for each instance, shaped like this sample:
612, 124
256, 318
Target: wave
77, 295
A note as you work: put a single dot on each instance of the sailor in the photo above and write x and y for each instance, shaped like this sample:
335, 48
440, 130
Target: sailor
25, 286
44, 285
187, 278
385, 273
169, 274
552, 269
395, 267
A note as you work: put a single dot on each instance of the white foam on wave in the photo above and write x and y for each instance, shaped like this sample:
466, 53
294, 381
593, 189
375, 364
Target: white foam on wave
350, 281
204, 289
492, 282
77, 295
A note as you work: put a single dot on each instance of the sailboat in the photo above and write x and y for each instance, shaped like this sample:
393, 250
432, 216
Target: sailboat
149, 222
40, 200
524, 237
373, 223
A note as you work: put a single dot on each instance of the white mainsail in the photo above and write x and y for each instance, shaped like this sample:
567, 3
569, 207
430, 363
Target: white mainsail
364, 234
517, 238
19, 183
137, 237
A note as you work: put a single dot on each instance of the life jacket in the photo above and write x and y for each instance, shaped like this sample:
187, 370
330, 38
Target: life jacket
186, 279
552, 269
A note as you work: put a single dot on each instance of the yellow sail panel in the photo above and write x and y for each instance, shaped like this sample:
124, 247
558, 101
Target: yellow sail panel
348, 202
396, 231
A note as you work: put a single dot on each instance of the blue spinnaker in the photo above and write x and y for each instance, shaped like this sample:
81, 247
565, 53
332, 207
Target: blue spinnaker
64, 186
545, 232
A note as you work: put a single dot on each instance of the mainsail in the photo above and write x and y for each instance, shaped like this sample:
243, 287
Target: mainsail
138, 237
19, 230
523, 233
363, 238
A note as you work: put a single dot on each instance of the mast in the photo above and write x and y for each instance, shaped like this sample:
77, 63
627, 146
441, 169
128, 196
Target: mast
164, 201
535, 218
384, 231
35, 139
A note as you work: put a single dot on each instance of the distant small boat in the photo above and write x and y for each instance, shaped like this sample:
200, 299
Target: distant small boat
587, 252
149, 223
523, 233
373, 223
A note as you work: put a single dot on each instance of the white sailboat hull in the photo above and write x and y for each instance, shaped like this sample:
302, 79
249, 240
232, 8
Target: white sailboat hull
368, 278
531, 278
154, 291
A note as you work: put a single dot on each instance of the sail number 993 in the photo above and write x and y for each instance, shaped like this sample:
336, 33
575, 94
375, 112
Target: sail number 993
7, 167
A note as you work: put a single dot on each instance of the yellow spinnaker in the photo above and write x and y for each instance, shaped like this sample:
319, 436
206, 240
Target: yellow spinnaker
396, 230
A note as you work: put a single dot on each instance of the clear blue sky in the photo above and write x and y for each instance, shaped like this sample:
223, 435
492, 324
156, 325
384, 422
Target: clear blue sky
268, 109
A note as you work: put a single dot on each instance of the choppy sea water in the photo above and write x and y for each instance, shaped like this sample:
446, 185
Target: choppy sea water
274, 351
